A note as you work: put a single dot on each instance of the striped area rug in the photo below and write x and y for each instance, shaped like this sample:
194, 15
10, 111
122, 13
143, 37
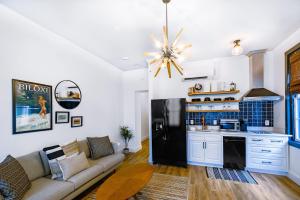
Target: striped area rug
160, 187
230, 174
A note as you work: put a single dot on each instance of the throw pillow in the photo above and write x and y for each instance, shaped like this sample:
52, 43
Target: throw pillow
14, 182
54, 154
100, 147
73, 165
71, 148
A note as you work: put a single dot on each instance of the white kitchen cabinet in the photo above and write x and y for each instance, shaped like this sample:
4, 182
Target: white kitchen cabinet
267, 153
196, 150
205, 149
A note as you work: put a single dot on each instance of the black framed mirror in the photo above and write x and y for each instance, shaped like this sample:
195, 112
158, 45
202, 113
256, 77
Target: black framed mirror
67, 94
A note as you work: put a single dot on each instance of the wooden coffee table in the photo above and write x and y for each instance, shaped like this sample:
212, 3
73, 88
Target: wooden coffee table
125, 183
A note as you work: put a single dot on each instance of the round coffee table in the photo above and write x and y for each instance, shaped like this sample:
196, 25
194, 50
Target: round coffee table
125, 183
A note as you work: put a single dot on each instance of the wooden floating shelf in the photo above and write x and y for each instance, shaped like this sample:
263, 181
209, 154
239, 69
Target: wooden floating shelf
196, 111
213, 93
211, 102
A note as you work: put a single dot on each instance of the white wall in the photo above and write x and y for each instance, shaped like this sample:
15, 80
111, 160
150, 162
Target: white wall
275, 80
144, 116
133, 81
226, 69
29, 52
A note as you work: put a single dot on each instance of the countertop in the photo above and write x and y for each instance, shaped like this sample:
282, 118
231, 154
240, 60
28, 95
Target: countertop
238, 133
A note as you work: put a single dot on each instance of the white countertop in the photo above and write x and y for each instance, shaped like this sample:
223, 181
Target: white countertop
238, 133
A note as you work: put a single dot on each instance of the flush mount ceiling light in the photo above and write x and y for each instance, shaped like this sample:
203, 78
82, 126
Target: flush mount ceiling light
237, 49
169, 54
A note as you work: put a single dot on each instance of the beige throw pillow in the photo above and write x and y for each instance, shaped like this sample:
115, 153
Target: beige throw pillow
73, 165
71, 149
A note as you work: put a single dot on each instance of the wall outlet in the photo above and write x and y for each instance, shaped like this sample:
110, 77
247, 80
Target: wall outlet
267, 122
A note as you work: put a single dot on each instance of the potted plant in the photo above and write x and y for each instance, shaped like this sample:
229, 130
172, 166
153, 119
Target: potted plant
127, 134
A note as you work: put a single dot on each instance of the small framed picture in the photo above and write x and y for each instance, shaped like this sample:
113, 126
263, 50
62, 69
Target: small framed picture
62, 117
76, 121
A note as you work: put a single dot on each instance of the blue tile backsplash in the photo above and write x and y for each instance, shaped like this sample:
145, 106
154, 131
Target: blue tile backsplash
255, 113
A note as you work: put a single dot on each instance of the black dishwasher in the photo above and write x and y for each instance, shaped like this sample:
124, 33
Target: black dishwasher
234, 150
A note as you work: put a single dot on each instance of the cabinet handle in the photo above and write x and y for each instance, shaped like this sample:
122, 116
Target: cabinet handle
266, 162
257, 140
276, 140
202, 145
205, 145
264, 150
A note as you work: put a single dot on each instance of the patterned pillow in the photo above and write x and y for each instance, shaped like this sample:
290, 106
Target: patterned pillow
100, 147
54, 154
71, 149
14, 181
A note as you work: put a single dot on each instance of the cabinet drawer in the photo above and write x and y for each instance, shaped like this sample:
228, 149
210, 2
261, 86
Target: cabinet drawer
196, 136
267, 140
268, 164
268, 151
213, 138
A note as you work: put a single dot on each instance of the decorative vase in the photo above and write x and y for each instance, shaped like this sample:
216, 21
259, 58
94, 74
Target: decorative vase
126, 150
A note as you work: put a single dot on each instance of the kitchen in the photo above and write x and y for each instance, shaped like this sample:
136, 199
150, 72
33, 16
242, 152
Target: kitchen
229, 122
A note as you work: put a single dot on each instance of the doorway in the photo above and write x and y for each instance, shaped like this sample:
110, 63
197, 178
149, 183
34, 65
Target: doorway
142, 115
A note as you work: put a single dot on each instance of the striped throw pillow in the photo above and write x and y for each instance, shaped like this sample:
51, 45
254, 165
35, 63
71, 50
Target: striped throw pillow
54, 154
14, 181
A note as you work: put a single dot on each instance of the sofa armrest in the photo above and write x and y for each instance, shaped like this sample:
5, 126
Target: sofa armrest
117, 147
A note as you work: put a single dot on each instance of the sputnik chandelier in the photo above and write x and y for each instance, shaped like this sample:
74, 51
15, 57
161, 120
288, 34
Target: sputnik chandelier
170, 54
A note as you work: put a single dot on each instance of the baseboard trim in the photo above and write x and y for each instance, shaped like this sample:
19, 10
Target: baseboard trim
282, 173
135, 149
204, 164
294, 177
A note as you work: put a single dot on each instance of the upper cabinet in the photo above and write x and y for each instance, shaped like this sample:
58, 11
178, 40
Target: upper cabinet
294, 64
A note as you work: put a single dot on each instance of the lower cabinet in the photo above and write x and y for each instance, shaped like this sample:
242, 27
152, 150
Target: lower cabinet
267, 153
205, 149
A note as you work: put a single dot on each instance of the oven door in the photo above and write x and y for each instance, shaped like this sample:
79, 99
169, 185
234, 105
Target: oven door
228, 126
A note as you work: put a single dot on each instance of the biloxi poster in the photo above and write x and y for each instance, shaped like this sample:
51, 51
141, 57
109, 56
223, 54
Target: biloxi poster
32, 107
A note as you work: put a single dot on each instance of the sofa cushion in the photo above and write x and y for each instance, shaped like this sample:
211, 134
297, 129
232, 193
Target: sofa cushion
54, 154
85, 176
100, 147
32, 165
45, 162
84, 147
14, 182
108, 162
73, 165
48, 189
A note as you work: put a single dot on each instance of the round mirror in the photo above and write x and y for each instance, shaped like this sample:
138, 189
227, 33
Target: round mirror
67, 94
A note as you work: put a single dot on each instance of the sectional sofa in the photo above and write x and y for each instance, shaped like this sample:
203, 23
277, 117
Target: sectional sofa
44, 188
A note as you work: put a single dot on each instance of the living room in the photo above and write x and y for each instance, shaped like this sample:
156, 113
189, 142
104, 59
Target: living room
75, 72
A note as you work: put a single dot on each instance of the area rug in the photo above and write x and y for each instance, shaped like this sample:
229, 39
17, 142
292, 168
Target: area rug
230, 174
160, 187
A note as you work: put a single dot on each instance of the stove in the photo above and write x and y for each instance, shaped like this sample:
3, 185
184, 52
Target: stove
261, 132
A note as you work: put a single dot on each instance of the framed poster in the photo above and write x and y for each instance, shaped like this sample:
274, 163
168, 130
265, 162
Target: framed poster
76, 121
62, 117
32, 107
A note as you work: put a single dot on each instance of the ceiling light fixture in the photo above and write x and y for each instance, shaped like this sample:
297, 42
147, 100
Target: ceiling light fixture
170, 54
237, 49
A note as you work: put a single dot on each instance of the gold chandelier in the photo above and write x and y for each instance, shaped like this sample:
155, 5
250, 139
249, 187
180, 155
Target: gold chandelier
170, 54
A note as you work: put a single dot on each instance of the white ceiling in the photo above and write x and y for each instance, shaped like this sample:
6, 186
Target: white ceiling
112, 29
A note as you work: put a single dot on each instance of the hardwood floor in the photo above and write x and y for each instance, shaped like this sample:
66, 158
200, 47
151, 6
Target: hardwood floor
200, 187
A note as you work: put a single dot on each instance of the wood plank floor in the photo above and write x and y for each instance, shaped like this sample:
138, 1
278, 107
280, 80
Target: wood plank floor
200, 187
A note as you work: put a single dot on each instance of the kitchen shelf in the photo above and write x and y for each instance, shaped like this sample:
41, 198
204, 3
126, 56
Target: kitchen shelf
212, 102
213, 93
196, 111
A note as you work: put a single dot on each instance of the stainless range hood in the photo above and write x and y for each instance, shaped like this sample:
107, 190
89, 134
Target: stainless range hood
257, 91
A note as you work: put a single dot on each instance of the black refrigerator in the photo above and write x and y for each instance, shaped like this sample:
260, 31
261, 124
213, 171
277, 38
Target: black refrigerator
169, 132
